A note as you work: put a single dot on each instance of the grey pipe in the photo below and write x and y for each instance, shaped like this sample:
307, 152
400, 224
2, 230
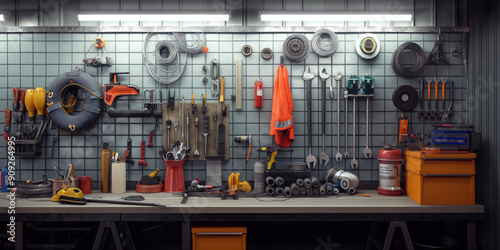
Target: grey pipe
279, 190
279, 181
269, 190
316, 191
287, 192
309, 191
270, 181
302, 190
322, 189
300, 182
295, 189
329, 188
315, 182
307, 183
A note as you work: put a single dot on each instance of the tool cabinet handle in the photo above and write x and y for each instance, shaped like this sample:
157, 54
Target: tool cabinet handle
217, 234
447, 175
454, 158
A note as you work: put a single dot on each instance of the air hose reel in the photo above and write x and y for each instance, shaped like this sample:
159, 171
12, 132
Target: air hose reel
76, 122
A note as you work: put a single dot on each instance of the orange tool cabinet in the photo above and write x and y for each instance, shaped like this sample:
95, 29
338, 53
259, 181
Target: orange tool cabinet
440, 178
220, 238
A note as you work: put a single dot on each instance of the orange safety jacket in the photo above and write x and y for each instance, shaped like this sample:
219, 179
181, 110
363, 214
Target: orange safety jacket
282, 118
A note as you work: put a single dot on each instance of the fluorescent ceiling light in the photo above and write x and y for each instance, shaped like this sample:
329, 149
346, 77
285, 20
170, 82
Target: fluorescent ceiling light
334, 16
145, 16
2, 18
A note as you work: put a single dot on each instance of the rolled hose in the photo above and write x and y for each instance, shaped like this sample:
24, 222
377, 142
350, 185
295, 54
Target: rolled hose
309, 192
296, 48
416, 68
322, 189
34, 190
321, 48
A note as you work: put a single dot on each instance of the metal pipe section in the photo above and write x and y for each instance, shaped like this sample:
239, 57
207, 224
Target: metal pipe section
270, 181
309, 191
300, 182
279, 181
315, 182
302, 190
269, 190
329, 188
259, 173
279, 190
287, 192
316, 191
295, 189
322, 190
307, 183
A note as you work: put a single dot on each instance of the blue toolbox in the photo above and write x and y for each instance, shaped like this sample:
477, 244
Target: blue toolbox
455, 137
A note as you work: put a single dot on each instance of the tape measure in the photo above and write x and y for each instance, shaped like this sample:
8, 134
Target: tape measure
246, 50
367, 46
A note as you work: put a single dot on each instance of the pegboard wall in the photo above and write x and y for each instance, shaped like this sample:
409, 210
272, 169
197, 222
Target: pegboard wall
29, 60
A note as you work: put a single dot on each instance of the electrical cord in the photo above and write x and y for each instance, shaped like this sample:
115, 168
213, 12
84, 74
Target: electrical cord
196, 47
324, 49
296, 48
413, 70
171, 52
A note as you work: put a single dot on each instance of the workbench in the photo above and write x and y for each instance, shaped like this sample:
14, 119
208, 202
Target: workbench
344, 207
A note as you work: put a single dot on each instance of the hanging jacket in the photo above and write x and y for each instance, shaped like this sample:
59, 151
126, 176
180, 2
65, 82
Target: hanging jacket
282, 119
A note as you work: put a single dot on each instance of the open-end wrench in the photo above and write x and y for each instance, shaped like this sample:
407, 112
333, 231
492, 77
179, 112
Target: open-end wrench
338, 78
428, 112
346, 154
196, 152
367, 152
324, 76
354, 162
443, 108
308, 77
435, 112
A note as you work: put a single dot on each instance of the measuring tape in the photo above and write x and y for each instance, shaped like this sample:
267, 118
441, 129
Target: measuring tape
246, 50
367, 46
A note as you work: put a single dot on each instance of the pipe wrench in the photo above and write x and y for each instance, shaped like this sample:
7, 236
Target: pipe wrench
215, 69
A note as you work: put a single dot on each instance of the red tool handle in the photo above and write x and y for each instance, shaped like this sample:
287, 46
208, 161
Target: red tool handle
428, 90
23, 95
150, 143
143, 143
436, 88
16, 94
8, 116
6, 136
444, 88
127, 152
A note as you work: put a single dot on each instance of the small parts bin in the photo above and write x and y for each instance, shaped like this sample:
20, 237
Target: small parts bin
440, 178
220, 238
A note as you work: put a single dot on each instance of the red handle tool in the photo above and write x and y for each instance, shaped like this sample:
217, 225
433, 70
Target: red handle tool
142, 162
150, 143
16, 98
8, 119
23, 94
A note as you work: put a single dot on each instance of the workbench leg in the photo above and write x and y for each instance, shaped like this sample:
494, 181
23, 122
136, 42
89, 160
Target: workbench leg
186, 235
371, 237
101, 232
471, 235
19, 235
390, 235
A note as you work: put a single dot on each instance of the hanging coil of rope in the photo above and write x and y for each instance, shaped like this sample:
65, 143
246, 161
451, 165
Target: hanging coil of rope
322, 48
172, 57
413, 70
296, 48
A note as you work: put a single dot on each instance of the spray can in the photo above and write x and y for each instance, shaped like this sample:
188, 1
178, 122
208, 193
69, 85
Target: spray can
390, 171
5, 180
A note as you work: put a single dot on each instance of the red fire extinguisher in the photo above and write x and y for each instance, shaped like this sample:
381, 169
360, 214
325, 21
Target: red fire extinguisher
258, 93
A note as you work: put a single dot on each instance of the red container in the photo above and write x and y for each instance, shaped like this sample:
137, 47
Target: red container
174, 178
390, 161
85, 184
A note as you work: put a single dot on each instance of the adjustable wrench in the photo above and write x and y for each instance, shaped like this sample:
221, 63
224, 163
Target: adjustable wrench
324, 76
338, 78
354, 162
346, 154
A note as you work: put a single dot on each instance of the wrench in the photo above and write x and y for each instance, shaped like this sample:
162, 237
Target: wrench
324, 76
367, 152
435, 112
443, 108
428, 112
187, 129
421, 112
182, 122
308, 77
346, 154
354, 162
215, 77
338, 78
196, 152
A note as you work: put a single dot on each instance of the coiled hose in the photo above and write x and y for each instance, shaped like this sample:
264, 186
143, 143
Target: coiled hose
416, 68
296, 48
324, 49
172, 52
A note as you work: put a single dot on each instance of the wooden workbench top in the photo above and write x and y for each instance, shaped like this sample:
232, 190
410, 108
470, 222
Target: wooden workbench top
342, 203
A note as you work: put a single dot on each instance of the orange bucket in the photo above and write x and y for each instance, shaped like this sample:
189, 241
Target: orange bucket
174, 178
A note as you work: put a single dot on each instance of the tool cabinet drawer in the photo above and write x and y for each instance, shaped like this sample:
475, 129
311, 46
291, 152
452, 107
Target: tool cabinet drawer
220, 238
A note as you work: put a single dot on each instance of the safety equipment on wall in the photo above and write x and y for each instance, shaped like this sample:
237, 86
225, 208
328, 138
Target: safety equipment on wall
405, 97
367, 46
246, 50
80, 120
258, 93
171, 58
324, 49
266, 53
416, 68
104, 60
281, 116
296, 48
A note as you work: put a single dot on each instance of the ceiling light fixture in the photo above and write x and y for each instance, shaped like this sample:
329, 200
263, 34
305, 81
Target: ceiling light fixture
335, 16
157, 16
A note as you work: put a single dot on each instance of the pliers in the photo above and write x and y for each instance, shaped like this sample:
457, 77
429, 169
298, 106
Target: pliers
215, 78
